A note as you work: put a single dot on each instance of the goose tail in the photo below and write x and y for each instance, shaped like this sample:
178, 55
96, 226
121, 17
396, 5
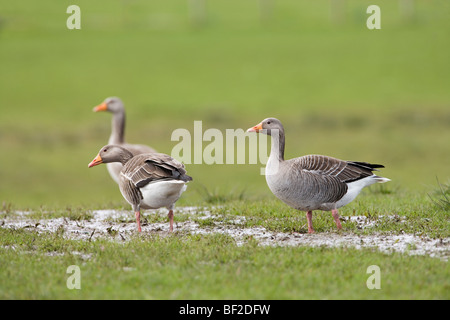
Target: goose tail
379, 179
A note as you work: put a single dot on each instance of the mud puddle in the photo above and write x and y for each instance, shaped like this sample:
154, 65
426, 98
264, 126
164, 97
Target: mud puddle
120, 225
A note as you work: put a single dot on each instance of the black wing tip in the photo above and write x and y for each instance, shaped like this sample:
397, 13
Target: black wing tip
366, 165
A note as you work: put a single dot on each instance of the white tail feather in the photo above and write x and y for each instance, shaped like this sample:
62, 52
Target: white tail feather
381, 179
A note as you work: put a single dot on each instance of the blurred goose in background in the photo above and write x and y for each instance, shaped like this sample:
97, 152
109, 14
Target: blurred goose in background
313, 182
148, 180
115, 106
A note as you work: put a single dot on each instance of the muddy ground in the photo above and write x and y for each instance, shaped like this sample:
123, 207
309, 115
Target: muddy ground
119, 226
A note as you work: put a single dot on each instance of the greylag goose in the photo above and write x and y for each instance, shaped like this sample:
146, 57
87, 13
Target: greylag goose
115, 106
313, 182
148, 180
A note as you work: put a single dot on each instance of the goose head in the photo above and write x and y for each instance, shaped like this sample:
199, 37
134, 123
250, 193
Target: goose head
111, 104
267, 126
111, 153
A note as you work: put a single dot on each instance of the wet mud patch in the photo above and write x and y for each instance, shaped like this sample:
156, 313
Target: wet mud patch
120, 225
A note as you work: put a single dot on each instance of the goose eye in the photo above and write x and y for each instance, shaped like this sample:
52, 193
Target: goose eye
105, 150
268, 122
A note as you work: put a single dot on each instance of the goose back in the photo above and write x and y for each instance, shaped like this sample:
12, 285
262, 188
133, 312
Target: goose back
144, 169
344, 171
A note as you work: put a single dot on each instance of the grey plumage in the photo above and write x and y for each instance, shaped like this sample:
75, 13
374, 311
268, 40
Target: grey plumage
147, 181
144, 169
313, 182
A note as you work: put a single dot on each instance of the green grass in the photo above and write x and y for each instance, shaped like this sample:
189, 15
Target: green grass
440, 196
181, 265
341, 90
207, 267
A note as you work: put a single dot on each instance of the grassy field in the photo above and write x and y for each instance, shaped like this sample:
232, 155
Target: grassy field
340, 89
208, 267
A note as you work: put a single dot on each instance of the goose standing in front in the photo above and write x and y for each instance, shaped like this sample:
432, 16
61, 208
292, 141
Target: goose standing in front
116, 107
313, 182
148, 180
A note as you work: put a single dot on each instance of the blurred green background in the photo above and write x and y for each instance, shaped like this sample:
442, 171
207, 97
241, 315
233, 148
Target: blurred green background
340, 89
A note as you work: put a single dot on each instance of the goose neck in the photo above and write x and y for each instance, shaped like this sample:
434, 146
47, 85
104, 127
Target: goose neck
123, 156
118, 128
277, 148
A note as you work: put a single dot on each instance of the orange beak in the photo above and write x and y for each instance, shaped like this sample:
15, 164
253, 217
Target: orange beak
256, 128
98, 160
101, 107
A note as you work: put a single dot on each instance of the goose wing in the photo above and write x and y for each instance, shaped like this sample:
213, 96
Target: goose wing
344, 171
324, 179
146, 168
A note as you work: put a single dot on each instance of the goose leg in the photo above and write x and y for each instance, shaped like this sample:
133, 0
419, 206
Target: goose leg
335, 214
309, 218
171, 220
138, 219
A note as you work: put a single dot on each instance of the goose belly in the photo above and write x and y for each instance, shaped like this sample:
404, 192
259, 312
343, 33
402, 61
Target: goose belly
298, 201
297, 198
311, 197
161, 194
